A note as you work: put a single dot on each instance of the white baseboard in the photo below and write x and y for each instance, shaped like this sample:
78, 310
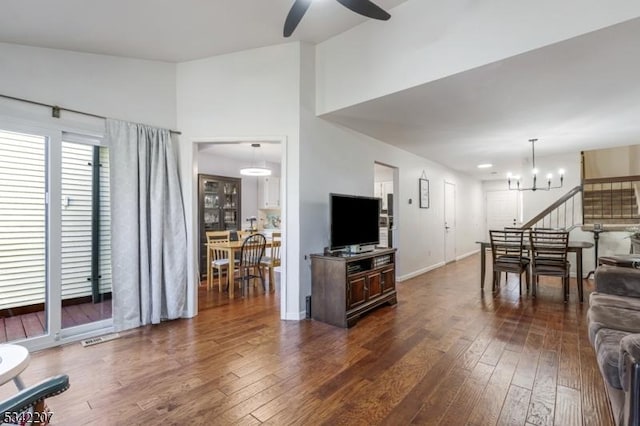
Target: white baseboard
294, 316
419, 272
471, 253
432, 267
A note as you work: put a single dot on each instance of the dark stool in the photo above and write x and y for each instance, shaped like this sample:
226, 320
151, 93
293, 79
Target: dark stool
623, 260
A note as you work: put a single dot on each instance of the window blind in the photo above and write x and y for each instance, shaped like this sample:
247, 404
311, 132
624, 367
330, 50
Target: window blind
22, 219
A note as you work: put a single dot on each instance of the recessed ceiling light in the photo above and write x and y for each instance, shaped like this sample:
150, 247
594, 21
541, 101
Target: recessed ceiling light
484, 166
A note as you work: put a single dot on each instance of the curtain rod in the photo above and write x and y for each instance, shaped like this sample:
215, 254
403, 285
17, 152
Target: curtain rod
55, 109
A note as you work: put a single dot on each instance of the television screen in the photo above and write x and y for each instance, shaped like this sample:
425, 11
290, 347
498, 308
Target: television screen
354, 220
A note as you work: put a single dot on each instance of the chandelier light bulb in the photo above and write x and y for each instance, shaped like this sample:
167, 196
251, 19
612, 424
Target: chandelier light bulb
561, 172
535, 171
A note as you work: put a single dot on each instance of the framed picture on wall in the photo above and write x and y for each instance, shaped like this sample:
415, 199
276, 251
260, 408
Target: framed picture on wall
423, 185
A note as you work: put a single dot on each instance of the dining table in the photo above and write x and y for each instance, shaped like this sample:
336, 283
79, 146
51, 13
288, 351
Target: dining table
233, 247
573, 247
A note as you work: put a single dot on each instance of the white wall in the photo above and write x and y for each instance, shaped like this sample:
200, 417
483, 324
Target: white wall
255, 94
249, 94
270, 91
612, 162
335, 159
379, 58
122, 88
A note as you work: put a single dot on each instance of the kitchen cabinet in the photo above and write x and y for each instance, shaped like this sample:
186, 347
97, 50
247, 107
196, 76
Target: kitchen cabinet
269, 193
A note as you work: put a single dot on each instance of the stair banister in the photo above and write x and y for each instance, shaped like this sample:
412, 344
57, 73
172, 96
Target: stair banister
552, 207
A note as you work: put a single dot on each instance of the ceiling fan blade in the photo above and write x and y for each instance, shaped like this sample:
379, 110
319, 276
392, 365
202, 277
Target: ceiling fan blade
295, 15
366, 8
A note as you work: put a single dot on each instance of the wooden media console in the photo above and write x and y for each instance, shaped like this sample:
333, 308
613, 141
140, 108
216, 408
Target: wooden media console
344, 287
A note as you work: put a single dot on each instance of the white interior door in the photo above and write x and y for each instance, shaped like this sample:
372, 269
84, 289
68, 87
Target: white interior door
502, 209
449, 222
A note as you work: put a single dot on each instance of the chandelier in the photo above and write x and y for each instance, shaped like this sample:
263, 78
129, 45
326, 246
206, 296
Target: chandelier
535, 171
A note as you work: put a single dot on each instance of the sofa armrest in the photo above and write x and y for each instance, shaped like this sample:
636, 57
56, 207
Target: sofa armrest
618, 281
630, 378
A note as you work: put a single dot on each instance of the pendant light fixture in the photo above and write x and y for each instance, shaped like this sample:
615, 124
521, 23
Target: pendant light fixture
534, 187
256, 168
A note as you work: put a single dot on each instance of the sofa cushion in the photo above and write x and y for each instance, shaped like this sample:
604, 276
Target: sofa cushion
607, 345
605, 299
613, 317
618, 280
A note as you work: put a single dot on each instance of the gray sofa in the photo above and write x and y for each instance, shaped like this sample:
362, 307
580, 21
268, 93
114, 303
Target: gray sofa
614, 332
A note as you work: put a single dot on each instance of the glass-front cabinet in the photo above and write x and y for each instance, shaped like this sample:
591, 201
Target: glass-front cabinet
218, 208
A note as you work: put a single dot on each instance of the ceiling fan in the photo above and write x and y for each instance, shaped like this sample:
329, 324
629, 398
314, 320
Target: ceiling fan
363, 7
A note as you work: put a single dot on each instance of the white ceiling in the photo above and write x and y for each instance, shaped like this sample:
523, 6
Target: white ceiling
579, 94
583, 93
168, 30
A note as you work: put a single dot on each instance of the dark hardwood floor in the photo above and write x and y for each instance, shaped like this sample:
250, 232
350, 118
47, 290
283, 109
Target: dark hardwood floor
446, 354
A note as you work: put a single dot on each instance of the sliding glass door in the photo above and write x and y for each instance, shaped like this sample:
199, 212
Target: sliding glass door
55, 270
23, 236
85, 233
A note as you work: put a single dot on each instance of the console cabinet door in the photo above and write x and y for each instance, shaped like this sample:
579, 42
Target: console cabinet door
356, 294
374, 284
388, 279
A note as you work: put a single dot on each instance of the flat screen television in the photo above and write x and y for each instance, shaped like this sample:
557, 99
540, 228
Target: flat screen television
354, 221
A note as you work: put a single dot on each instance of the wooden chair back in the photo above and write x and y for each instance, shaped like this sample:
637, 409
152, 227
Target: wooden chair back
217, 237
549, 256
252, 251
276, 244
525, 237
549, 246
506, 244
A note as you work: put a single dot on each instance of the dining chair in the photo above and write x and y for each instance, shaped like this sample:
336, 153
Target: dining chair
525, 238
244, 234
217, 258
29, 403
549, 257
249, 267
508, 256
273, 260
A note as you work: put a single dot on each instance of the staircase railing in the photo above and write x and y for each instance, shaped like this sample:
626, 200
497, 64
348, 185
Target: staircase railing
561, 214
612, 201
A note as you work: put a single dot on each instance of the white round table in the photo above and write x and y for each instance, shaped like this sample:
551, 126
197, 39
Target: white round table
13, 360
